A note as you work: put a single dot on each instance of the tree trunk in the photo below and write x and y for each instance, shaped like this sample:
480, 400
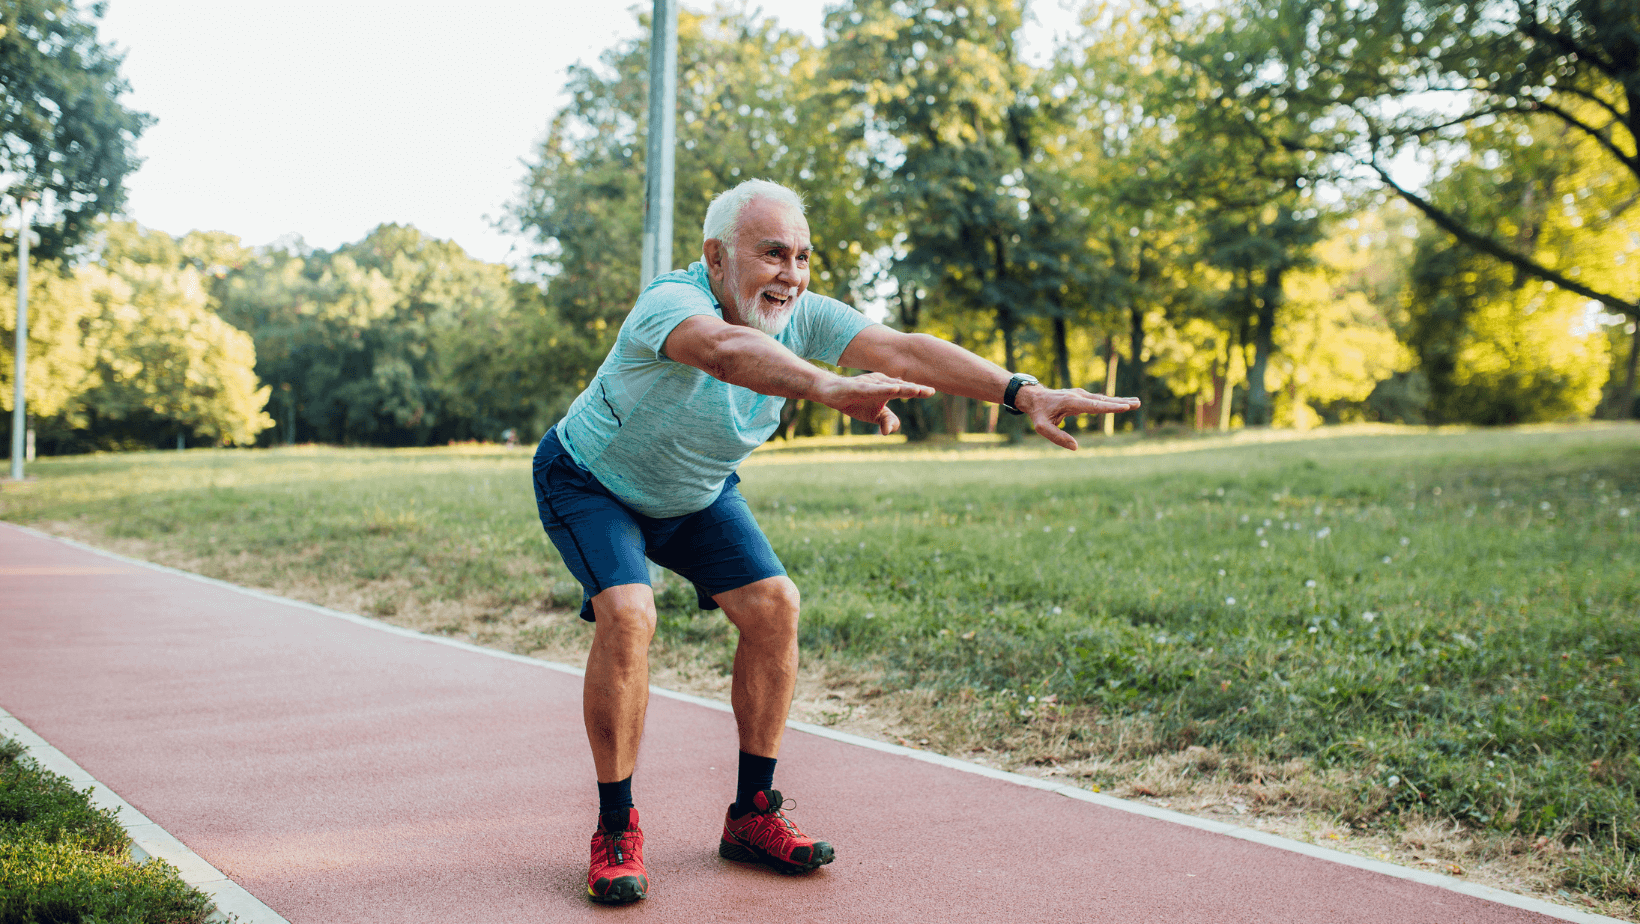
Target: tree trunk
1014, 427
788, 417
1258, 397
1111, 360
1136, 359
1625, 398
1062, 363
956, 415
1218, 377
1229, 390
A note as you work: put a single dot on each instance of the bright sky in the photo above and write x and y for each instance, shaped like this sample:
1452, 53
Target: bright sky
325, 119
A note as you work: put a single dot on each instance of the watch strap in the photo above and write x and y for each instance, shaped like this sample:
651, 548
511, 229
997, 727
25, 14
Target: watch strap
1019, 381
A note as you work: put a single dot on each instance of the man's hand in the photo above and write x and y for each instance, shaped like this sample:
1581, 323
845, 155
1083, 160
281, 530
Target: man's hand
865, 397
1047, 408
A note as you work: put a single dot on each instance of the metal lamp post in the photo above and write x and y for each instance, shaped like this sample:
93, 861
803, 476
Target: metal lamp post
19, 410
663, 129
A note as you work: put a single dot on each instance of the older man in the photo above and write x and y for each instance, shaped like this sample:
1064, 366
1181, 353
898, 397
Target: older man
643, 465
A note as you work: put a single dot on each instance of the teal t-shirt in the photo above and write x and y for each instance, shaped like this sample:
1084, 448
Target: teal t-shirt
663, 436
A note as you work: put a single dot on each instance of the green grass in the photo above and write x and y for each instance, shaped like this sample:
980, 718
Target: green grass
63, 859
1450, 619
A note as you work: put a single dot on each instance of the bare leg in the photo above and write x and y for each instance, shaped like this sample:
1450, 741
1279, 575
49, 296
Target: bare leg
765, 660
616, 690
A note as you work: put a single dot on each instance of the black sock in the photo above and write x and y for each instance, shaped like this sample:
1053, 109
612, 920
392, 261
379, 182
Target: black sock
614, 797
756, 775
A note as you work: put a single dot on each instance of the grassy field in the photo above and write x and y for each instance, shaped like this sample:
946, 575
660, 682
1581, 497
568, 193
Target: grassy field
1424, 645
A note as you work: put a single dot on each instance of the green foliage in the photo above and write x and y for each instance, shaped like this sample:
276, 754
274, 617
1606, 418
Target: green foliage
1151, 194
62, 123
1499, 345
953, 124
388, 340
1348, 88
130, 351
63, 859
44, 881
38, 804
60, 305
154, 359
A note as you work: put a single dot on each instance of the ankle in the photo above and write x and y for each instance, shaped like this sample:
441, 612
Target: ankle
756, 775
615, 797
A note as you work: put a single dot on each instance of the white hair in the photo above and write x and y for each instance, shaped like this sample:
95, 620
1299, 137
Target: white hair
723, 215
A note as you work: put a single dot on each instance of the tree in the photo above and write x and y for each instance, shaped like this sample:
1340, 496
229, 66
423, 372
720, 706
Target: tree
63, 127
1432, 77
59, 304
354, 341
1120, 122
150, 360
163, 365
959, 131
748, 106
1338, 341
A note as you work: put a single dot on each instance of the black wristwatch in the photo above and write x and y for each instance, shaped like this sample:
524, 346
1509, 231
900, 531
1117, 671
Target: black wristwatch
1019, 381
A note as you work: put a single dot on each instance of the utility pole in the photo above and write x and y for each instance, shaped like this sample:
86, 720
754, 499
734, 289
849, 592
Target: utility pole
19, 410
663, 130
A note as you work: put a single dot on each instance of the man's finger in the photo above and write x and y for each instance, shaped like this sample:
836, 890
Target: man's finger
1111, 406
899, 389
1057, 436
887, 422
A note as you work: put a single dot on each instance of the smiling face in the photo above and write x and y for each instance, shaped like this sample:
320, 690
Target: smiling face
759, 279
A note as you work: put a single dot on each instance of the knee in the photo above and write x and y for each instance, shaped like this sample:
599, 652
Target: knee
774, 611
785, 601
625, 620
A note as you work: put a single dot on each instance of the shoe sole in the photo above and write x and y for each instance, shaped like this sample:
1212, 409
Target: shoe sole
623, 890
746, 853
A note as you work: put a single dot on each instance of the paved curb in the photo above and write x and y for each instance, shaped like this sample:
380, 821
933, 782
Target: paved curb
1488, 893
148, 839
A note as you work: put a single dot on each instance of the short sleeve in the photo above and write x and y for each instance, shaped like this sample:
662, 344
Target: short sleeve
825, 327
667, 302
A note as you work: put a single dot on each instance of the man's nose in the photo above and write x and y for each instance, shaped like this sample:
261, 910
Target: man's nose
791, 271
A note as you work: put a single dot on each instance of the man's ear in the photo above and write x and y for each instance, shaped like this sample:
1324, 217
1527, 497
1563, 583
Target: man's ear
714, 253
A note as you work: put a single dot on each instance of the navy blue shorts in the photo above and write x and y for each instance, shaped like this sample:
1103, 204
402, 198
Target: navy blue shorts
604, 542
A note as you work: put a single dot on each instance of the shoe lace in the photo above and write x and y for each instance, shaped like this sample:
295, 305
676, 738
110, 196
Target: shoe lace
617, 844
779, 826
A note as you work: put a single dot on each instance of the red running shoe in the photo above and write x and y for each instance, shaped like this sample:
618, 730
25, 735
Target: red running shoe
765, 835
617, 875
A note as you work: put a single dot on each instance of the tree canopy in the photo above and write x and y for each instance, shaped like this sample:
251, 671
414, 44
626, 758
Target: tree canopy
65, 134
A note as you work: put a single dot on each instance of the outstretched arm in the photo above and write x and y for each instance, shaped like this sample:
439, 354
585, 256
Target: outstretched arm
751, 359
949, 368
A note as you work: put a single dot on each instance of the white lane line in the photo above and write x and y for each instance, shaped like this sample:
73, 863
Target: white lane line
148, 839
1488, 893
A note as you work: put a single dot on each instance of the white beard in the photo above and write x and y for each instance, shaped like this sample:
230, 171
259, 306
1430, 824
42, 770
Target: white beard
769, 321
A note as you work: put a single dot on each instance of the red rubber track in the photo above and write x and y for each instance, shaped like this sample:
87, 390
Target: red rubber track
342, 773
